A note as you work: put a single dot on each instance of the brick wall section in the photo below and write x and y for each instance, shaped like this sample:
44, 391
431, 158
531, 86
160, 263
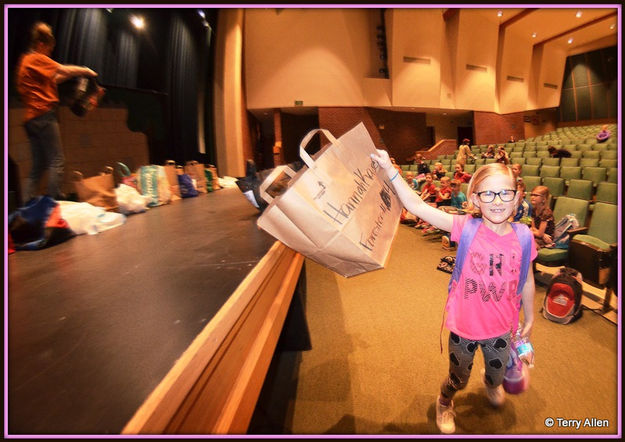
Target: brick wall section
100, 138
492, 128
403, 132
339, 120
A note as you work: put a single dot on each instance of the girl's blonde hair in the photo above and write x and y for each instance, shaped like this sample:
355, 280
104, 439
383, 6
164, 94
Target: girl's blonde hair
480, 175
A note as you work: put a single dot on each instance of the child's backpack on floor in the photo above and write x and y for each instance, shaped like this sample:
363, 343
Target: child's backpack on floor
563, 300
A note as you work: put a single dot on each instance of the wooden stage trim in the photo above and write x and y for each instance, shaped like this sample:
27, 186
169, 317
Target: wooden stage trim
214, 386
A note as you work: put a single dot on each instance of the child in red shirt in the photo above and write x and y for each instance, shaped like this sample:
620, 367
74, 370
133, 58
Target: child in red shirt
460, 175
443, 196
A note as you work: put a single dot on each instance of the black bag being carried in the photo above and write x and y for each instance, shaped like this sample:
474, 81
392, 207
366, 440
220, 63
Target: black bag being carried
81, 94
563, 300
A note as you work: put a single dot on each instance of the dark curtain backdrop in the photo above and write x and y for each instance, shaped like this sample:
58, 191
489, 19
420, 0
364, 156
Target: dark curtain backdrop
182, 88
161, 66
589, 86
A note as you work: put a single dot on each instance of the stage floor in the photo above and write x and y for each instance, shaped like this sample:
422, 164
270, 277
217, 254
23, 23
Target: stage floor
95, 323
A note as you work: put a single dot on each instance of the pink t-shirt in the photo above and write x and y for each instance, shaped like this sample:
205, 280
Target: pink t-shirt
484, 302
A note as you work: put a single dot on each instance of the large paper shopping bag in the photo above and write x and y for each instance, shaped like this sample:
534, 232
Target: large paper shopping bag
339, 210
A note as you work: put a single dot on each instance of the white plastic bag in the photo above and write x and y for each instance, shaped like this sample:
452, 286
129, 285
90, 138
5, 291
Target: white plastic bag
87, 218
130, 200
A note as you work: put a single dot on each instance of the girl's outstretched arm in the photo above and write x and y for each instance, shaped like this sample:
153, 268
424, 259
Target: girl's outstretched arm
411, 201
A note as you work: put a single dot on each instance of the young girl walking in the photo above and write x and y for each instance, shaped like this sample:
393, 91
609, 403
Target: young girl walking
483, 304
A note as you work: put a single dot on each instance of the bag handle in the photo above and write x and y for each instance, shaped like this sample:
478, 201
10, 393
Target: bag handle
170, 163
123, 169
78, 176
262, 189
302, 145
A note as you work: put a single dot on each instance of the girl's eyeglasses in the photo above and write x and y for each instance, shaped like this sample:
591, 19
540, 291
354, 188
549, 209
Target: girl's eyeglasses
488, 196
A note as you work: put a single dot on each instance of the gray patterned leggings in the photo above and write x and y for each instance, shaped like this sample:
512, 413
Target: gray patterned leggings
461, 352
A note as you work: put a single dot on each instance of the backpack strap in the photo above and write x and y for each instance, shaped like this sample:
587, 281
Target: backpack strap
525, 238
466, 238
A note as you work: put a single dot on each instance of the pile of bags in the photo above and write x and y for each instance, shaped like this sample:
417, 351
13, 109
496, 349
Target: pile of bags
44, 222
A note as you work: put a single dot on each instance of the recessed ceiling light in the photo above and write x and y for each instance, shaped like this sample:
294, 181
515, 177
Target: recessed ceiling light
579, 14
138, 22
534, 34
499, 13
570, 40
612, 26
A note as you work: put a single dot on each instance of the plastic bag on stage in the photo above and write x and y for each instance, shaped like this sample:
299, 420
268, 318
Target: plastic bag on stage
340, 210
187, 188
38, 225
130, 200
87, 218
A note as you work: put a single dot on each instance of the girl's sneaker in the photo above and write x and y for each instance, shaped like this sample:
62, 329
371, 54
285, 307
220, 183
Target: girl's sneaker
445, 415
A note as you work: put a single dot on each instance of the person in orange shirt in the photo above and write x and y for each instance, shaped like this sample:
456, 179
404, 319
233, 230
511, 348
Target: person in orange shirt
37, 79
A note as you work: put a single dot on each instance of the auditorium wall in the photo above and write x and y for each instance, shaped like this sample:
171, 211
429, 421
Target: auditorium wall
317, 56
100, 138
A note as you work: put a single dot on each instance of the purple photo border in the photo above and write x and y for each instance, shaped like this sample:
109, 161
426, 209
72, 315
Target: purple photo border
243, 5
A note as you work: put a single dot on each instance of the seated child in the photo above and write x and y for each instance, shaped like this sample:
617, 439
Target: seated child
490, 152
458, 198
525, 209
439, 170
543, 224
428, 194
458, 202
603, 134
429, 190
460, 175
443, 196
517, 169
412, 181
502, 156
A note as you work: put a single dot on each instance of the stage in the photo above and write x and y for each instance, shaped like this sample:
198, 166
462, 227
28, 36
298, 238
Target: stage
95, 323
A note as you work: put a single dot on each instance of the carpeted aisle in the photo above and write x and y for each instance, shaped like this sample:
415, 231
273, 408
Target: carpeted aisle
375, 366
